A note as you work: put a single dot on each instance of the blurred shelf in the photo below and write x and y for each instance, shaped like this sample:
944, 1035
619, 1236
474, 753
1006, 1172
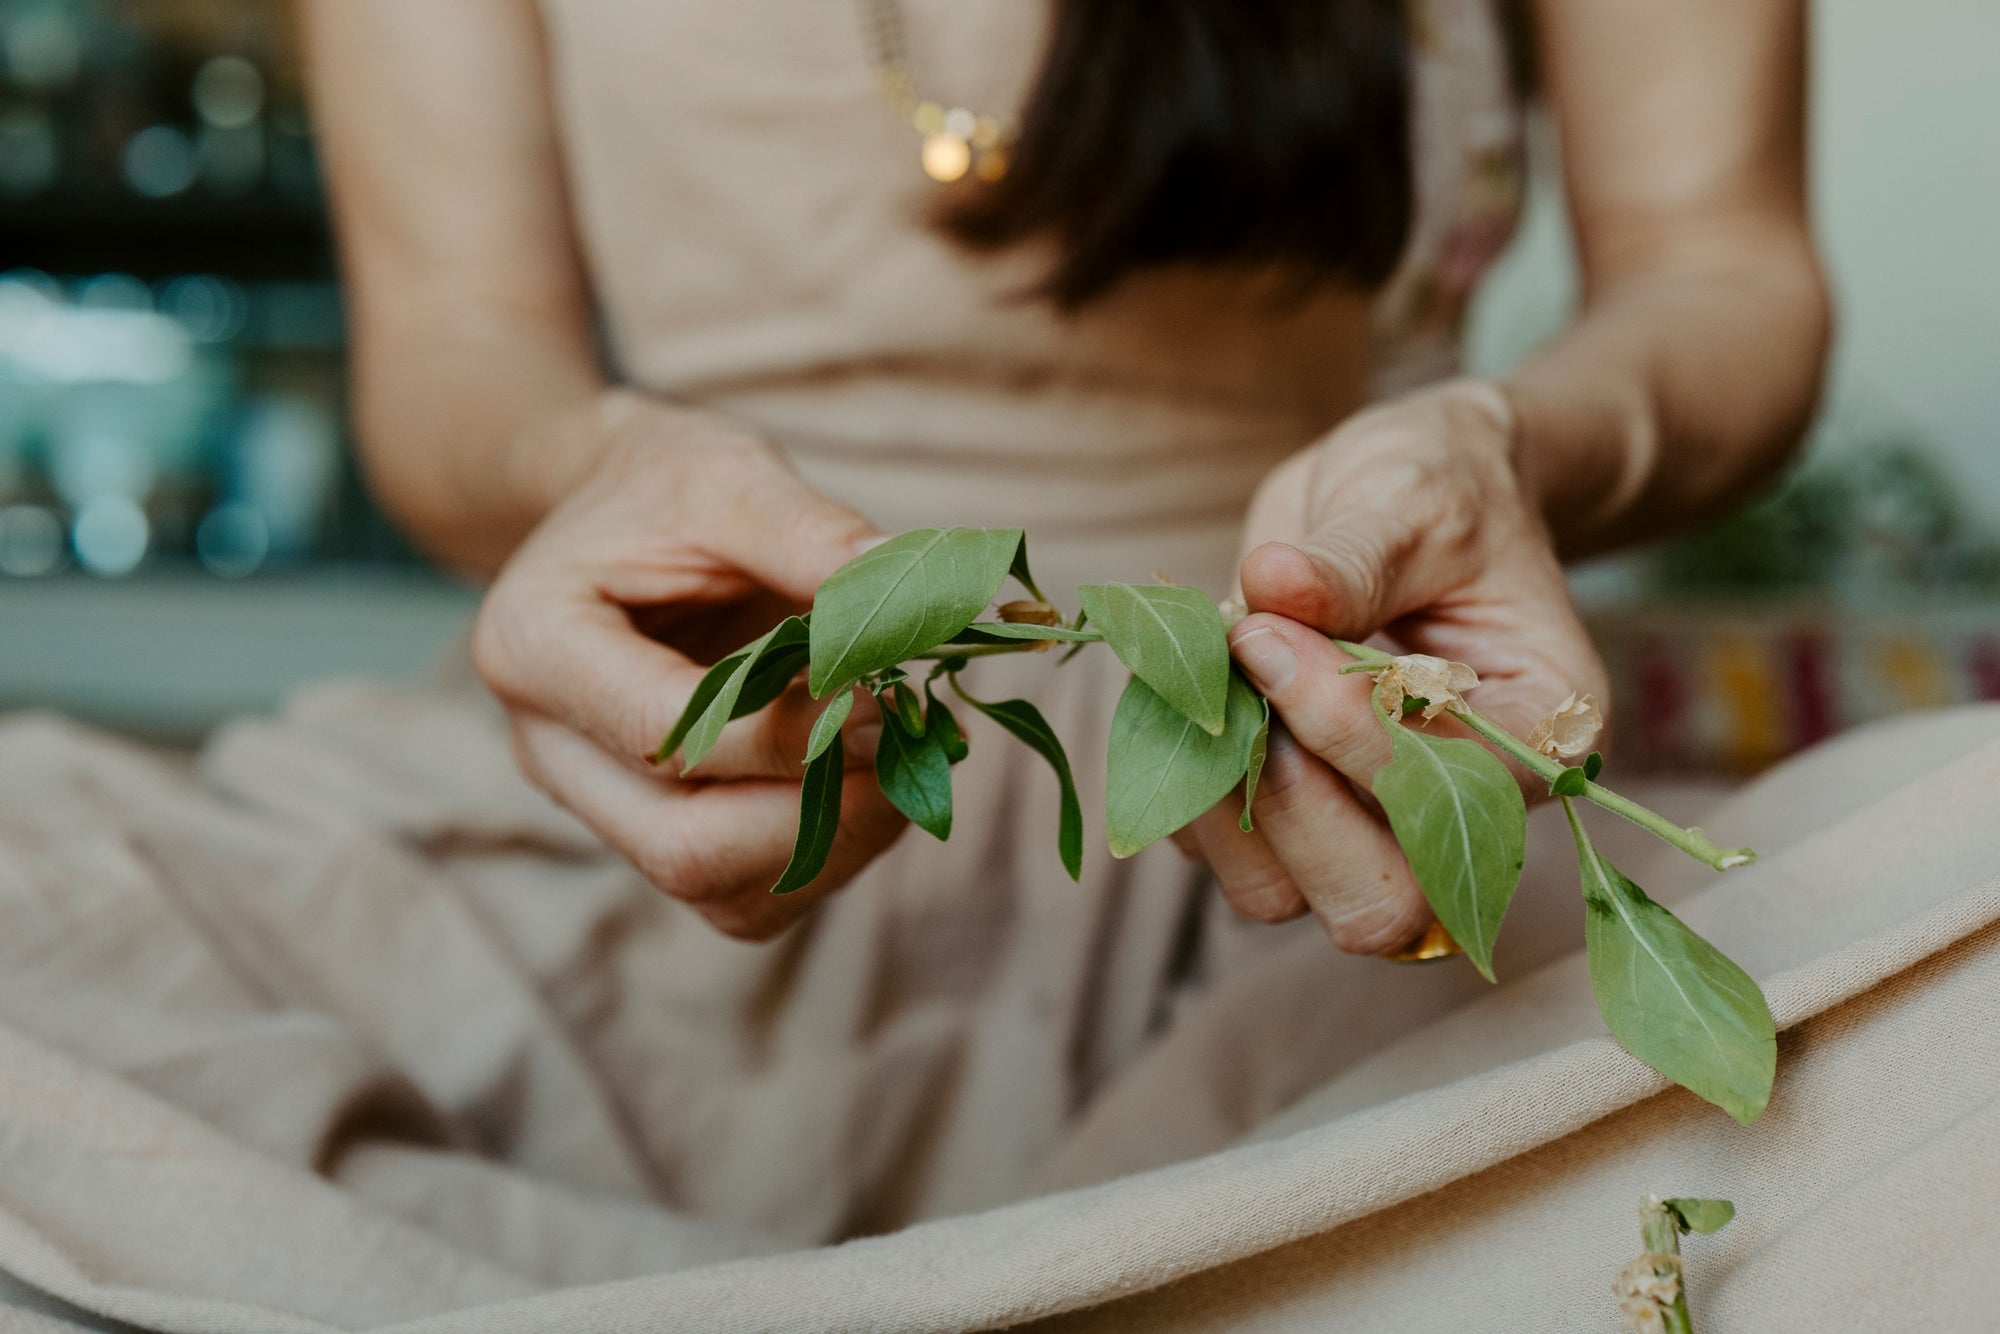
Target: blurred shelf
170, 655
248, 239
1732, 684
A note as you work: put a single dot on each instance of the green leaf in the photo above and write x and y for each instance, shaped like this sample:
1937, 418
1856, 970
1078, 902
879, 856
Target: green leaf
773, 674
704, 694
1259, 746
827, 729
915, 775
1702, 1215
1082, 619
903, 598
735, 698
1569, 783
1001, 632
1025, 721
1593, 765
1164, 770
1170, 637
944, 726
909, 709
1019, 569
1461, 821
819, 819
1670, 998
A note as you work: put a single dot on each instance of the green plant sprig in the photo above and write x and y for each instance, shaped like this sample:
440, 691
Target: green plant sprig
1188, 730
1573, 780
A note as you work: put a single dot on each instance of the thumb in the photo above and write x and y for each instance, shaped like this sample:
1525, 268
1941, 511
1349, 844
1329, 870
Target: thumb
1353, 574
797, 536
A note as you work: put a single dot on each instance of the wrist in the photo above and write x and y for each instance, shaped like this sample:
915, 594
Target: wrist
1487, 423
1588, 454
549, 456
553, 458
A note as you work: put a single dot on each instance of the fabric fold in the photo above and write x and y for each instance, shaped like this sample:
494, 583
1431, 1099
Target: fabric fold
156, 1208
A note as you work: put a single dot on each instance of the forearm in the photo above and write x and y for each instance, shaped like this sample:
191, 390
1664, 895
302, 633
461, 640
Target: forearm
1685, 383
472, 425
475, 371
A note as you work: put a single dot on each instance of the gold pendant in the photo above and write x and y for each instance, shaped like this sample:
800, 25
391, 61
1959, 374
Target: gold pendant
946, 156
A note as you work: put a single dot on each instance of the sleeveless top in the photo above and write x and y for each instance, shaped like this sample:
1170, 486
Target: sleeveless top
753, 220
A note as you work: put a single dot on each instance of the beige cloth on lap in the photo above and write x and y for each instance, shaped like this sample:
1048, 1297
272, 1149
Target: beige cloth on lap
267, 1071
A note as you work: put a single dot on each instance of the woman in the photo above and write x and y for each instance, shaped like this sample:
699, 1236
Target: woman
659, 318
1153, 341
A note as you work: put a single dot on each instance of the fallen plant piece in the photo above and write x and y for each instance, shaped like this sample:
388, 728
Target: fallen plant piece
1189, 729
1652, 1287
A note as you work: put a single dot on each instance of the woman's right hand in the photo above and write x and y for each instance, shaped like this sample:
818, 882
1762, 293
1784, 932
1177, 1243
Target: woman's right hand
687, 539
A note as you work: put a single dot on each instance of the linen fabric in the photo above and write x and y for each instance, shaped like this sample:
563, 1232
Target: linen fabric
308, 1043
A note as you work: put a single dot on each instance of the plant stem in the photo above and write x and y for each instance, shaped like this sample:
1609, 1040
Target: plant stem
1660, 1232
1691, 841
947, 653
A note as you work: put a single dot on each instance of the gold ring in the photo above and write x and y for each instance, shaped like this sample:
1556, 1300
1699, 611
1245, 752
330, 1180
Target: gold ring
1435, 943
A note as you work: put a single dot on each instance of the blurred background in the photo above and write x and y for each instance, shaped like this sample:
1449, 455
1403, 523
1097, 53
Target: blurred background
182, 534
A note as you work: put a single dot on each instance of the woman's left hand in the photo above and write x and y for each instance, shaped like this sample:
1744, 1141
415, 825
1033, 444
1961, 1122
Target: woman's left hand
1411, 521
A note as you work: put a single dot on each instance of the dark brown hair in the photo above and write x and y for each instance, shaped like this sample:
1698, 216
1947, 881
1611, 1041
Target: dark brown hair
1266, 134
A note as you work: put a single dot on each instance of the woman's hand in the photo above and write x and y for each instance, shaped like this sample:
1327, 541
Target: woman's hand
688, 538
1410, 521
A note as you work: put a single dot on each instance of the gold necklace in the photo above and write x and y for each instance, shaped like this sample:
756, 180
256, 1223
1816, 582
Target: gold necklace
955, 140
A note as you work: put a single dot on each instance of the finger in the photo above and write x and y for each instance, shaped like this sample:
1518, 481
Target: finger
695, 842
579, 661
1252, 879
1398, 518
787, 535
1344, 861
1531, 648
574, 657
1356, 571
717, 847
868, 826
1298, 671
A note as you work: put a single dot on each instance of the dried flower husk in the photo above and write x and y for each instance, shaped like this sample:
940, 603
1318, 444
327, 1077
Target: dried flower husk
1028, 611
1571, 730
1439, 682
1645, 1288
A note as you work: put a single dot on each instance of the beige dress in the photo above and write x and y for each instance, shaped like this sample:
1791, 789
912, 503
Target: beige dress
353, 1030
753, 215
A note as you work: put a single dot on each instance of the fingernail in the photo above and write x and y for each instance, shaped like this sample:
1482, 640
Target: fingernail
1266, 659
860, 740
